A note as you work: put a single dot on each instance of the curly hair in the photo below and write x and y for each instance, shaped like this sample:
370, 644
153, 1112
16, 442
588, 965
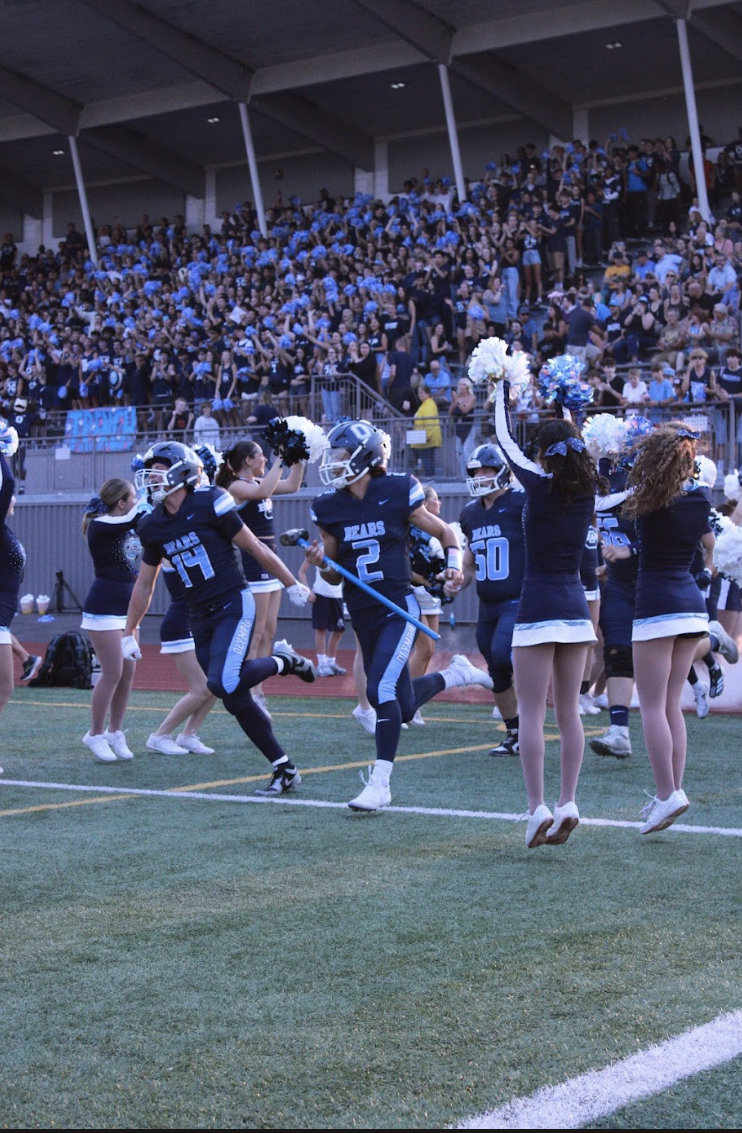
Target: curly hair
664, 462
572, 475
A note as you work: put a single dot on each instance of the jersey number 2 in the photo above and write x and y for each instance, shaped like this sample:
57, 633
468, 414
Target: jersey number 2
194, 558
363, 562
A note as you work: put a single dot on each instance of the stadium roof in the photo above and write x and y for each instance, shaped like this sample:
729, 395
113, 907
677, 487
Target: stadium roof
155, 87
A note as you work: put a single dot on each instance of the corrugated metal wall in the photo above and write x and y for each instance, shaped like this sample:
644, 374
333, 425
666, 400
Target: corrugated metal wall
51, 534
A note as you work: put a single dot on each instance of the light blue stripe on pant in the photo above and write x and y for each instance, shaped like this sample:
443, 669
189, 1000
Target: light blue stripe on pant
390, 676
240, 644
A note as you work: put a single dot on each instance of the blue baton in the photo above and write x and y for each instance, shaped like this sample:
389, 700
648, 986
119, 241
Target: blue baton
299, 537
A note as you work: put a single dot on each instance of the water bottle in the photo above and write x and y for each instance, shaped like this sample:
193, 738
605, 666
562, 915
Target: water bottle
452, 620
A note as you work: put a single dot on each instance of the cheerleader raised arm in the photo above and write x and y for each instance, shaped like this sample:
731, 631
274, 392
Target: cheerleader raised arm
553, 629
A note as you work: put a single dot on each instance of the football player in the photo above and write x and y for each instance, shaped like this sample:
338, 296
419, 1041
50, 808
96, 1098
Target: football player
364, 522
195, 532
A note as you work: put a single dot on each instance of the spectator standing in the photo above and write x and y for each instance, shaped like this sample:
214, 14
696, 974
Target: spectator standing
206, 428
427, 419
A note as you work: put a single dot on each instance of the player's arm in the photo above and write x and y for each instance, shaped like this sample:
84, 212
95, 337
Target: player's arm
434, 525
316, 553
139, 603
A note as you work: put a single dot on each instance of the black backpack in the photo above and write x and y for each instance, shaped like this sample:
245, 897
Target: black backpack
68, 663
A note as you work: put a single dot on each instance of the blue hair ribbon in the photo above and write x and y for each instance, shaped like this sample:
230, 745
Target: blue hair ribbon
561, 447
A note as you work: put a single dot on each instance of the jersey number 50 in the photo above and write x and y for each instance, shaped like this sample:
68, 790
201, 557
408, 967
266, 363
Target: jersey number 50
491, 559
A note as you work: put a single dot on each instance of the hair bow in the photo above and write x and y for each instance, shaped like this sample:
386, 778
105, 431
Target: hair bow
691, 434
95, 507
561, 447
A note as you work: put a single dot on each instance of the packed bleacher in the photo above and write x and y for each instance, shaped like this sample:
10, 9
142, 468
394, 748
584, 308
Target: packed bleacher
372, 308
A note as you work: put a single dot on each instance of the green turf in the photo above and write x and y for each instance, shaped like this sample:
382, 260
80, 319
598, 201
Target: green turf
710, 1100
173, 962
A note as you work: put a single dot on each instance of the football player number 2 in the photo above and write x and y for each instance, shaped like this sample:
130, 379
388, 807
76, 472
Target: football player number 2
370, 548
187, 560
491, 559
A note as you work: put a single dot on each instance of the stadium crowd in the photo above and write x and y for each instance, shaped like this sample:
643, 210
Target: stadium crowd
599, 251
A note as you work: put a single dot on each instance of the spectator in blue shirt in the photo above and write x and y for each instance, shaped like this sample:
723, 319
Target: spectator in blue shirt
661, 390
637, 184
438, 382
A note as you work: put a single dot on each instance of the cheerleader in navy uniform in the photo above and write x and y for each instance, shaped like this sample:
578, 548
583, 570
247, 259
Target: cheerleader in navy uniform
364, 521
197, 531
12, 563
243, 475
109, 524
672, 516
553, 629
495, 558
176, 640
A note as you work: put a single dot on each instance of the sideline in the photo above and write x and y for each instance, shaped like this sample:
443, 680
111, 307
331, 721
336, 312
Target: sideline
599, 1093
322, 804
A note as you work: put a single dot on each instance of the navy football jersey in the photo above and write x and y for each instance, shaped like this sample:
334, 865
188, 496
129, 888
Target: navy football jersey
372, 534
617, 531
198, 542
589, 560
495, 537
668, 538
12, 554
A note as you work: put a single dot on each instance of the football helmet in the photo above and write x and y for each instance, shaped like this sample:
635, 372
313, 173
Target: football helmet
487, 456
183, 470
363, 447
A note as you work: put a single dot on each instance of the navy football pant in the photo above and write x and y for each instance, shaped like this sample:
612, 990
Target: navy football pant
495, 640
386, 642
222, 642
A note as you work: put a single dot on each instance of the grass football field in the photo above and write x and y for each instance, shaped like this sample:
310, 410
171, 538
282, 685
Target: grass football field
199, 960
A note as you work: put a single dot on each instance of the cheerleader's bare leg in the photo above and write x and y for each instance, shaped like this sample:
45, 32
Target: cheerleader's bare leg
111, 693
532, 666
6, 674
661, 668
569, 665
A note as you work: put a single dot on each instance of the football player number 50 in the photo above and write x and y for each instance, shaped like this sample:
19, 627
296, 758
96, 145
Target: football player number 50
491, 559
196, 557
370, 547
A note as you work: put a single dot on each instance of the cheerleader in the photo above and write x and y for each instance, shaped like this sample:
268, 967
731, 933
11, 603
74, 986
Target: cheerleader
108, 525
243, 475
553, 628
672, 516
177, 641
12, 563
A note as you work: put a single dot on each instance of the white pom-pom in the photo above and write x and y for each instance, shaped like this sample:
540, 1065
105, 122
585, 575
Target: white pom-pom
314, 435
456, 526
732, 487
706, 471
517, 371
728, 553
604, 435
488, 361
8, 441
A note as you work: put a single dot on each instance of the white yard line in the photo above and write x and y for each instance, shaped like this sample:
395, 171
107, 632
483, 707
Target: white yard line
439, 812
599, 1093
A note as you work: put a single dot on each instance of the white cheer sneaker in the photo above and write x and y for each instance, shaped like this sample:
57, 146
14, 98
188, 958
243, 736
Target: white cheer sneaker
166, 745
193, 744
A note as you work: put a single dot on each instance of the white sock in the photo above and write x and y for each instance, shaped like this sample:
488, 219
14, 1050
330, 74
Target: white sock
382, 772
330, 660
321, 658
281, 666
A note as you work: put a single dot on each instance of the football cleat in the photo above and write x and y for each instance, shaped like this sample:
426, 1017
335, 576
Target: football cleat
700, 691
727, 645
31, 667
284, 778
374, 796
508, 746
461, 673
716, 678
614, 741
338, 670
294, 665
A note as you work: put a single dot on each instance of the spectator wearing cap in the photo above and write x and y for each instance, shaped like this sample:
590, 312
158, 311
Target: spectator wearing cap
721, 332
661, 389
643, 266
699, 380
617, 270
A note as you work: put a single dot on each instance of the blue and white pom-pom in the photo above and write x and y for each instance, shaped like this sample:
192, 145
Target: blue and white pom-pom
732, 487
605, 435
705, 472
491, 362
728, 553
8, 440
560, 381
314, 436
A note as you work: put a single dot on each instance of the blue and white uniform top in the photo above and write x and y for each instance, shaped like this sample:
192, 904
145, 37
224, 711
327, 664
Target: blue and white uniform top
372, 535
197, 541
258, 516
616, 530
668, 601
175, 627
114, 549
12, 555
552, 605
589, 565
495, 538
